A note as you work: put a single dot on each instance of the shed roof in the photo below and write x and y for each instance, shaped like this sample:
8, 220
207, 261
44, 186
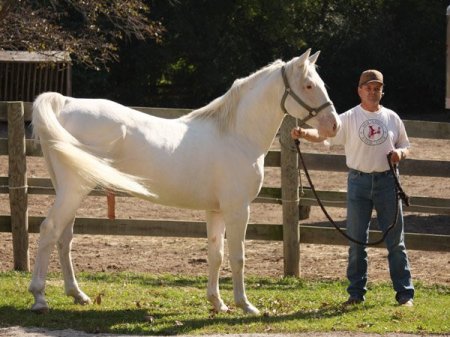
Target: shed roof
34, 57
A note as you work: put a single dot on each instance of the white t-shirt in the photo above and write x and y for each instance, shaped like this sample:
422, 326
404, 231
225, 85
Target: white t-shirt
369, 136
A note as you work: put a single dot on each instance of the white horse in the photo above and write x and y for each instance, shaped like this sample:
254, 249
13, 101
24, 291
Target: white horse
210, 159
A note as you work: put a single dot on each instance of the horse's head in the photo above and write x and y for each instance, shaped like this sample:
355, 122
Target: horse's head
306, 97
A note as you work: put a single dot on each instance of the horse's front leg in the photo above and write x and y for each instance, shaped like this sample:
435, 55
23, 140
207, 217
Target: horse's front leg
216, 236
70, 283
236, 226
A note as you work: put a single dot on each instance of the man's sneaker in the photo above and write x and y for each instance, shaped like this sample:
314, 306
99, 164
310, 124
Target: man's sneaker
352, 301
406, 302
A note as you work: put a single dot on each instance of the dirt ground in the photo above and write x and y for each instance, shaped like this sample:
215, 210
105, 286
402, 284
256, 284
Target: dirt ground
188, 256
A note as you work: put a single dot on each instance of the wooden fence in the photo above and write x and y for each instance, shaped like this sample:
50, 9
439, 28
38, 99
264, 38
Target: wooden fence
19, 187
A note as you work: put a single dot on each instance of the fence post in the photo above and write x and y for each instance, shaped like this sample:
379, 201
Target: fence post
18, 189
447, 93
289, 195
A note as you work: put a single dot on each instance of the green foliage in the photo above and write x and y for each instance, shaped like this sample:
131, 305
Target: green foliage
169, 305
209, 44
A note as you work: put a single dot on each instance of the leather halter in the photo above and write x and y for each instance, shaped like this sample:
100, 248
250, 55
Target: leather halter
288, 92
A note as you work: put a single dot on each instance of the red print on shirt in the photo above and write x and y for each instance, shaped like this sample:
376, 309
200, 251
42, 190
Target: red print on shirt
373, 132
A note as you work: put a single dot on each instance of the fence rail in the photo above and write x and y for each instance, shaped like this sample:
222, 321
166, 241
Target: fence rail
290, 226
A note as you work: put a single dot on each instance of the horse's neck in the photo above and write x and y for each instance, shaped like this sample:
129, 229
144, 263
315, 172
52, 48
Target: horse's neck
259, 114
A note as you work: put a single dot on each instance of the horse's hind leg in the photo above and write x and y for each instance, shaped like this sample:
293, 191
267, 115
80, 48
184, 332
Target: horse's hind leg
70, 283
216, 235
236, 225
60, 217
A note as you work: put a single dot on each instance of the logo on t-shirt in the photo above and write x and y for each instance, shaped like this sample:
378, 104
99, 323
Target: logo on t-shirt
373, 132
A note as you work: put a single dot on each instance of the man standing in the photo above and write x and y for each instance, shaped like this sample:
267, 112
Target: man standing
369, 132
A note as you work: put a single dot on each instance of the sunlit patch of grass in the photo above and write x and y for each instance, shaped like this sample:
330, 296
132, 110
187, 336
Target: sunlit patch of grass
165, 305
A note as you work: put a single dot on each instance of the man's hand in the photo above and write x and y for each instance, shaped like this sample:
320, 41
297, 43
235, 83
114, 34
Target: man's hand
298, 132
397, 155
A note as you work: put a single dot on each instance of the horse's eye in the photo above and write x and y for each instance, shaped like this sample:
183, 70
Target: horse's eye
309, 86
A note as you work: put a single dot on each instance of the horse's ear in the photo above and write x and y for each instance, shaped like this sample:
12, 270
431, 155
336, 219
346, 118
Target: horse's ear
313, 58
304, 56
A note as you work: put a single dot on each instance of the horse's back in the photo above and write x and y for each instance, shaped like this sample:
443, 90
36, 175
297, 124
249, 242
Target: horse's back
186, 163
95, 120
107, 126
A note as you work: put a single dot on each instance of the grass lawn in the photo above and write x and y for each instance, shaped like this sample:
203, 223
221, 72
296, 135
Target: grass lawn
167, 305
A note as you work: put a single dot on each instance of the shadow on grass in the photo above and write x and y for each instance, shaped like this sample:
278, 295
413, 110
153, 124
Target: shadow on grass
93, 321
138, 321
264, 320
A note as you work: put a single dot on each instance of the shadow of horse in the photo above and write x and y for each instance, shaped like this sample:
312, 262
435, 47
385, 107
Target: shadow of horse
138, 321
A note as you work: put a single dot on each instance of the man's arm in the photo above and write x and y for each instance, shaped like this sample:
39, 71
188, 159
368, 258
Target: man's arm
311, 135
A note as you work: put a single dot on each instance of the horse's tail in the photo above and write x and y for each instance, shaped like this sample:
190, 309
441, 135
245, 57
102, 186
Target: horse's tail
55, 139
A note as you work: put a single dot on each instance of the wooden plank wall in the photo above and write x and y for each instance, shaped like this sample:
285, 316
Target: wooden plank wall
14, 83
24, 75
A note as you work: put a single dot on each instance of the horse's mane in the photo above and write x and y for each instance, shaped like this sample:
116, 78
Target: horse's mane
223, 110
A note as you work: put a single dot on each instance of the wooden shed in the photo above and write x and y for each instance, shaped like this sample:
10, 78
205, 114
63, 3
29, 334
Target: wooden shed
24, 75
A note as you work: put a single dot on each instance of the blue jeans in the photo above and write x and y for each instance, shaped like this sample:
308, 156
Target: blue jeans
367, 191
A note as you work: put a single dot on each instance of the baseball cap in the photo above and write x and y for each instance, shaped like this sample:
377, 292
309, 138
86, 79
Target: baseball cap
370, 75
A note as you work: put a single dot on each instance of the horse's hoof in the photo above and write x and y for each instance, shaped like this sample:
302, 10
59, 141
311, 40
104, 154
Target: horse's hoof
40, 308
252, 311
249, 309
217, 303
82, 299
221, 308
